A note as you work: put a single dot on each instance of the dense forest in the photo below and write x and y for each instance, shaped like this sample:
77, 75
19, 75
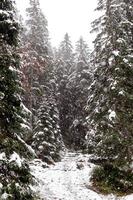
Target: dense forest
66, 98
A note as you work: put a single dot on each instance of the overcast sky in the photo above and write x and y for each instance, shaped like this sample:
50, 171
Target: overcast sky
72, 16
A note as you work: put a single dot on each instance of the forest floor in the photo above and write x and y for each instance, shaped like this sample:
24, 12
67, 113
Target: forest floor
68, 180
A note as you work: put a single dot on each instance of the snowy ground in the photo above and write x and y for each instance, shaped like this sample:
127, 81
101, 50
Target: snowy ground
68, 180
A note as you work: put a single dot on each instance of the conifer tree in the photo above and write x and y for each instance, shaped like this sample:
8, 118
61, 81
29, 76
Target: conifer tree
79, 82
64, 65
47, 139
82, 51
72, 79
66, 49
38, 31
35, 53
110, 103
14, 171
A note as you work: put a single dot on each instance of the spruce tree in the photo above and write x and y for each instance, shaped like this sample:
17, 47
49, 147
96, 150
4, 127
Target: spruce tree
14, 170
35, 57
79, 82
47, 139
110, 102
66, 49
38, 30
64, 66
72, 79
82, 52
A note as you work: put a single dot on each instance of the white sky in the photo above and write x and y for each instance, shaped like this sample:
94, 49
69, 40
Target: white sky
72, 16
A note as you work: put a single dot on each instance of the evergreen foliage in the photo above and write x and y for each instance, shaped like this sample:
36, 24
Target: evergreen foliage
109, 179
47, 139
110, 103
38, 71
35, 51
79, 82
82, 51
72, 79
66, 49
14, 171
63, 68
55, 90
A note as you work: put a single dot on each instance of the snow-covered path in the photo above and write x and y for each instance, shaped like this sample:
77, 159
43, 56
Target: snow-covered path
68, 180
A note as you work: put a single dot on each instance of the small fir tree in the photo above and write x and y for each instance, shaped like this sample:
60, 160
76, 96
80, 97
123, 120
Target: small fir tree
47, 139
